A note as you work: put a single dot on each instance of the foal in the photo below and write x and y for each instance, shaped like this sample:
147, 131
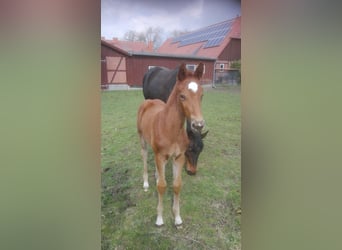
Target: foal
162, 126
158, 83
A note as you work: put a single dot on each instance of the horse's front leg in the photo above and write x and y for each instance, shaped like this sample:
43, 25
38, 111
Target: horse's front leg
161, 186
178, 163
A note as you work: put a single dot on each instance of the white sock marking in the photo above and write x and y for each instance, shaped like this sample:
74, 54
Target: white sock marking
146, 186
178, 220
193, 86
159, 221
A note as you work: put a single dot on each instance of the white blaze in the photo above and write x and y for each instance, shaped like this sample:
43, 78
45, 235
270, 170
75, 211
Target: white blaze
193, 86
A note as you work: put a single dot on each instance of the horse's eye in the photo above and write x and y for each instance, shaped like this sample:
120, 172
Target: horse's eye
182, 97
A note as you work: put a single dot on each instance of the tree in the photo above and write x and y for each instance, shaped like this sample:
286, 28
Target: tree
130, 35
154, 34
176, 33
151, 34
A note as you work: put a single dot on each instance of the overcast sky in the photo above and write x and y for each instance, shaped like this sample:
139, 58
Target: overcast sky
119, 16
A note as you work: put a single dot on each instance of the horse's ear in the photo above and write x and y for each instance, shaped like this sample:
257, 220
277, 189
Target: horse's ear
182, 72
199, 71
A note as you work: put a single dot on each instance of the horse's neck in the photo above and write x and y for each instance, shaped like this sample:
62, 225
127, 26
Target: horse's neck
175, 117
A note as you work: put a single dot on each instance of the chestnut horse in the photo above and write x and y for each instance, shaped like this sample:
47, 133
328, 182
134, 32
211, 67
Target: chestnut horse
158, 83
161, 125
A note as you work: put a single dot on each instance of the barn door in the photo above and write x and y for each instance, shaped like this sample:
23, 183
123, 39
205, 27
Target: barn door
116, 69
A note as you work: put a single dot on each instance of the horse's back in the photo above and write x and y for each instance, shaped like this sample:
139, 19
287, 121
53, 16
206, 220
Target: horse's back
146, 115
158, 83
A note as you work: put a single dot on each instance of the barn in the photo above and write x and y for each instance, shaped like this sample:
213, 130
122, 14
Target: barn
221, 41
217, 46
120, 68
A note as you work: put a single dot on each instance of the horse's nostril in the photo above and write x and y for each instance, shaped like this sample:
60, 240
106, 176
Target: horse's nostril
197, 125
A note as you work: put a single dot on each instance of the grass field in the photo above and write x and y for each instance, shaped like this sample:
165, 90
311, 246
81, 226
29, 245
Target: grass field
210, 201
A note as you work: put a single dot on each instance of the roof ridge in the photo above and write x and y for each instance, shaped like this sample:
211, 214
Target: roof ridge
229, 20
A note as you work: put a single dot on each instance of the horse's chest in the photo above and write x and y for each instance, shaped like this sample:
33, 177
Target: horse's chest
175, 150
172, 148
178, 146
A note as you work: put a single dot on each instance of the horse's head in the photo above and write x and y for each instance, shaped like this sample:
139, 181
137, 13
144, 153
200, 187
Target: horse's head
190, 94
194, 149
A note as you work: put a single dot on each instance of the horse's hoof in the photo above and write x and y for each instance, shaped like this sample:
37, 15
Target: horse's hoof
179, 225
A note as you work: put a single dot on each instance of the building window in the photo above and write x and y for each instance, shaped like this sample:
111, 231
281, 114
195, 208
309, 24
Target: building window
192, 67
221, 67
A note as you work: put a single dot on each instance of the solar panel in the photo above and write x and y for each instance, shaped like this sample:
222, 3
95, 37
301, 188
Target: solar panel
212, 35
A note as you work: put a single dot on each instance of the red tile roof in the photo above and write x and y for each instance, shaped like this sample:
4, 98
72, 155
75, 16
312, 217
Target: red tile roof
201, 43
151, 54
130, 46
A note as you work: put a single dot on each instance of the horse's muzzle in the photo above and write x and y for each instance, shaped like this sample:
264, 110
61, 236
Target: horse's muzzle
190, 169
197, 125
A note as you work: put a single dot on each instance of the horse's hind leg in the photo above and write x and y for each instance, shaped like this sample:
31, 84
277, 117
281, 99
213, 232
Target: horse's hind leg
177, 185
144, 156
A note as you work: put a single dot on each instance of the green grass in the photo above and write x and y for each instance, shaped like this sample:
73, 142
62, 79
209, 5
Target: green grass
210, 201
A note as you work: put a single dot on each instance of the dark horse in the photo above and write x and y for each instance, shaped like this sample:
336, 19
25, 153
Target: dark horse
158, 83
